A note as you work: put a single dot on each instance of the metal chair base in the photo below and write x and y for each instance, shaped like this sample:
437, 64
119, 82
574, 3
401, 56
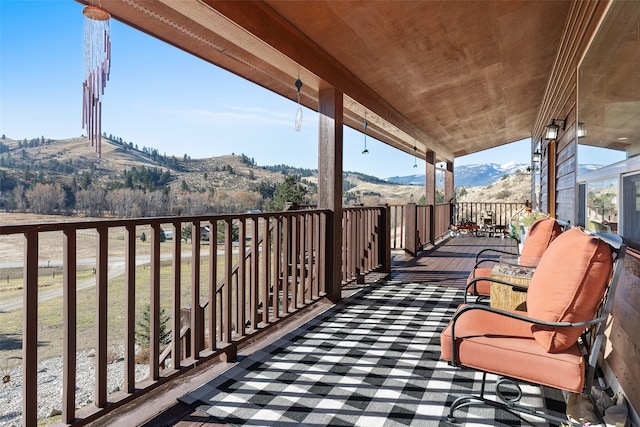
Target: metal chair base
509, 404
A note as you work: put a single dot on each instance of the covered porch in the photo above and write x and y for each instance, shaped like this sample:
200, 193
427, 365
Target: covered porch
371, 359
434, 79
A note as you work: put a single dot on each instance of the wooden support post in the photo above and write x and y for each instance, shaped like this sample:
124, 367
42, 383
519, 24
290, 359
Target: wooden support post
330, 144
384, 239
69, 310
411, 227
30, 331
430, 193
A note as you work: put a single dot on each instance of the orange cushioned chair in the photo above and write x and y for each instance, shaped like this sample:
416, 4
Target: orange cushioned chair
541, 234
570, 297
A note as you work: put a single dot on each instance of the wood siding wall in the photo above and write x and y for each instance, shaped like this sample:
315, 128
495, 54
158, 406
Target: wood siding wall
560, 102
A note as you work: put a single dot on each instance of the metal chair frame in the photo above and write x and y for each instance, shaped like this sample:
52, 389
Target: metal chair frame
590, 343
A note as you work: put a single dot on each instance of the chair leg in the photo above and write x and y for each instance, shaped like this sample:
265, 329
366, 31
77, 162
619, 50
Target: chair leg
505, 403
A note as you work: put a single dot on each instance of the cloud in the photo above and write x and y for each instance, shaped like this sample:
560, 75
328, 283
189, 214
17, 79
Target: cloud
232, 116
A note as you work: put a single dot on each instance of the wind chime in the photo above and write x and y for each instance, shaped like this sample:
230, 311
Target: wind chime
97, 65
298, 122
415, 156
364, 125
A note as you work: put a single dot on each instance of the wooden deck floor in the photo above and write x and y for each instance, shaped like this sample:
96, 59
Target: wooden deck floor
447, 264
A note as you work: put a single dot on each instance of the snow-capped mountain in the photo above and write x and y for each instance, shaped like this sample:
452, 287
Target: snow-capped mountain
480, 175
469, 175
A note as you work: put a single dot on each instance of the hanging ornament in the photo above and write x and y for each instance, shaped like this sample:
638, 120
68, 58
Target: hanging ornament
97, 65
364, 125
415, 156
298, 123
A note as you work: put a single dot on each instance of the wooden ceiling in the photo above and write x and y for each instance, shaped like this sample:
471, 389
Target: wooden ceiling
453, 77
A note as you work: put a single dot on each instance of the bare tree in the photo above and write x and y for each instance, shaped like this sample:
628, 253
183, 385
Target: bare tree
46, 198
19, 198
92, 201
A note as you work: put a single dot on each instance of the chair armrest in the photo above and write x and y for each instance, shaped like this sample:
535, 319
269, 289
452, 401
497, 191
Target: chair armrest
487, 250
523, 317
482, 261
472, 284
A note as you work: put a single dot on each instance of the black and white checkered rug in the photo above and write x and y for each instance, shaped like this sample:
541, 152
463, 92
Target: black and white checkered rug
372, 360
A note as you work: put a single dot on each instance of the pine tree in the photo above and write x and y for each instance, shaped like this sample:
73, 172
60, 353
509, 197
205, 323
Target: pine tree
143, 330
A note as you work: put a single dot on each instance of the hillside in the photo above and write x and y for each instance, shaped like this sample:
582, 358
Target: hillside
225, 184
510, 188
73, 165
199, 174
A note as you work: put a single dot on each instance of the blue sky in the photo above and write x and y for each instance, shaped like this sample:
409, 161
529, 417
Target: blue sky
161, 97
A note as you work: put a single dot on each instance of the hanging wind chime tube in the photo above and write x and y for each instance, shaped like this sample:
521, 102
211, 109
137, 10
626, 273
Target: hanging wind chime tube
298, 122
364, 125
97, 65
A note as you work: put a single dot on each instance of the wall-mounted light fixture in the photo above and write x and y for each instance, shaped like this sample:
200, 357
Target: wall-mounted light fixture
581, 132
552, 129
536, 156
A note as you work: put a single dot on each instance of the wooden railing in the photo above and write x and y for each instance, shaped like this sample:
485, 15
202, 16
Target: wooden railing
238, 275
475, 212
415, 226
442, 219
397, 230
365, 242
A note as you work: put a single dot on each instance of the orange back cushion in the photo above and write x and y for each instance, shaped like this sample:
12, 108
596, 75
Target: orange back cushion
568, 286
541, 234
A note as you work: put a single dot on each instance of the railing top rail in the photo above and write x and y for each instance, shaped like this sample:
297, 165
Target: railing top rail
110, 223
356, 208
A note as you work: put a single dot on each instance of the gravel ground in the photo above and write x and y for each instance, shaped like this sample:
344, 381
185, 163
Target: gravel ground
50, 386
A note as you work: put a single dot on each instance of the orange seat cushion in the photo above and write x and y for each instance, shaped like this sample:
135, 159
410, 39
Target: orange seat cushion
506, 346
483, 287
568, 286
540, 235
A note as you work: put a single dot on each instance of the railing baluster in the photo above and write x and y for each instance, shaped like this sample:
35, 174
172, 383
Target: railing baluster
346, 246
374, 218
302, 249
30, 331
176, 314
403, 228
241, 310
130, 309
277, 265
266, 270
226, 291
101, 316
255, 276
286, 274
196, 317
213, 285
69, 321
322, 250
154, 296
294, 263
309, 229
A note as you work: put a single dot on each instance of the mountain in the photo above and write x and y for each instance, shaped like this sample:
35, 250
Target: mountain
481, 175
469, 175
407, 180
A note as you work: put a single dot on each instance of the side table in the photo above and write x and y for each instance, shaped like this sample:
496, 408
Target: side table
516, 270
